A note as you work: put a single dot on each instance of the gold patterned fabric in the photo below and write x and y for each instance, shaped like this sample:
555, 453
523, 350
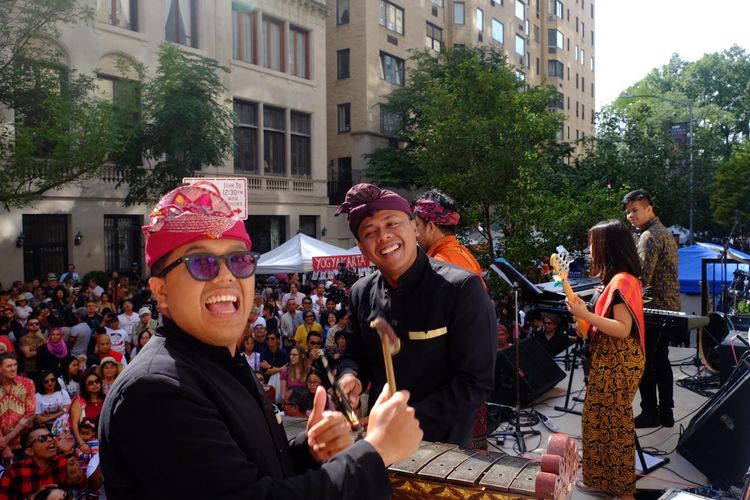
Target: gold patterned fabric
608, 429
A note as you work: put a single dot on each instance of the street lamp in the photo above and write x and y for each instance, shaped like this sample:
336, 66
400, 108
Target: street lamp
689, 105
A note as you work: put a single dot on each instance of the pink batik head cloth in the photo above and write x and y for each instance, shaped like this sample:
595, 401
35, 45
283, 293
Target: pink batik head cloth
191, 213
433, 211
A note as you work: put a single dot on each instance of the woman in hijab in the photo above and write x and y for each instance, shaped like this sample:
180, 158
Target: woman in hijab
51, 354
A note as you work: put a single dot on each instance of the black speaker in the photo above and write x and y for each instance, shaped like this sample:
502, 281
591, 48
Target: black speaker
731, 350
539, 373
717, 441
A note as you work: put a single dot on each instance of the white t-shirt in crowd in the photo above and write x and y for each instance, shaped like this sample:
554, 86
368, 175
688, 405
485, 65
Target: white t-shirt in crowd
119, 339
51, 403
258, 321
128, 322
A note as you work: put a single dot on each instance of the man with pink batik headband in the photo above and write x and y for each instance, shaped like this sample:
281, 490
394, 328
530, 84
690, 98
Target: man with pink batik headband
190, 391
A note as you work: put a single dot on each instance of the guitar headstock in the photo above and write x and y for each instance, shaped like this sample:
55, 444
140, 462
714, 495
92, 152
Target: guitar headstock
560, 263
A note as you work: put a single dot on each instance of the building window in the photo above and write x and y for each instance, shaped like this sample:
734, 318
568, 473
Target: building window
555, 69
559, 101
557, 8
308, 225
243, 37
497, 31
583, 84
577, 54
246, 137
390, 121
480, 20
520, 9
583, 57
120, 13
438, 3
181, 23
583, 29
342, 64
339, 180
122, 242
342, 12
520, 45
299, 59
125, 96
273, 39
434, 37
392, 17
392, 68
555, 38
301, 144
459, 12
273, 141
344, 118
592, 63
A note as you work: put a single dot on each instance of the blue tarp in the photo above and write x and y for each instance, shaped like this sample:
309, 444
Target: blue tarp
690, 268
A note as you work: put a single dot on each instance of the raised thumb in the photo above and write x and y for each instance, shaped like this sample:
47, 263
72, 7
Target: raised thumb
319, 405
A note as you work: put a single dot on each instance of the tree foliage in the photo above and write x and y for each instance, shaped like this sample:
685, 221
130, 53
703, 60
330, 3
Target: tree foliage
730, 192
58, 130
473, 129
184, 125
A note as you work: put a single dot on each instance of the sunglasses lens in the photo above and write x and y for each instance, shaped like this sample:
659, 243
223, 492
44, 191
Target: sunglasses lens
203, 267
242, 264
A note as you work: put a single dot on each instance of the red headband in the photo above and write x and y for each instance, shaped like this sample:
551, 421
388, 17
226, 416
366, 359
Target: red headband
433, 211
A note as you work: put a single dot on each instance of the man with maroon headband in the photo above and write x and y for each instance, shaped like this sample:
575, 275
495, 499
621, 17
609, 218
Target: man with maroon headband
188, 419
441, 313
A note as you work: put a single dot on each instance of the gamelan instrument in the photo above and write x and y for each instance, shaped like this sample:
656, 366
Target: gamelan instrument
439, 470
391, 346
560, 263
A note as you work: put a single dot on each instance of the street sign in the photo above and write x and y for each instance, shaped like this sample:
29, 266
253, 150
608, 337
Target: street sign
232, 189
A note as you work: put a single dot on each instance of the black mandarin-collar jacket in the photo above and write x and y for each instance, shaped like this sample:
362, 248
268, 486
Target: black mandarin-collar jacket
448, 331
188, 420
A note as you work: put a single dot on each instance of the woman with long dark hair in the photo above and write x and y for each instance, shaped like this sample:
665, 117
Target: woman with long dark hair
87, 405
70, 368
617, 360
52, 402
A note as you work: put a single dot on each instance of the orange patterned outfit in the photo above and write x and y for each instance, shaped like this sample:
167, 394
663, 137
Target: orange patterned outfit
616, 369
15, 403
448, 249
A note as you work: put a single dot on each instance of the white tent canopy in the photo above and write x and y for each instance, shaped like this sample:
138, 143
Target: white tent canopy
295, 256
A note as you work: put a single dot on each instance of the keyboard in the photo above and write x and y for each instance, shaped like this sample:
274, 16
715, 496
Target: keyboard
676, 319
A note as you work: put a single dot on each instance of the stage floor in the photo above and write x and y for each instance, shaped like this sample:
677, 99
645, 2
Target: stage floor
661, 438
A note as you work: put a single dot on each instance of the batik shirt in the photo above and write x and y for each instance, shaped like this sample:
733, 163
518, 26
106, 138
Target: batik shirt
657, 250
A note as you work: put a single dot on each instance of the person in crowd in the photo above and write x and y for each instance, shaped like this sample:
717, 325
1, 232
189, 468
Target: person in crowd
96, 290
330, 309
314, 352
105, 304
52, 402
293, 293
38, 299
87, 430
70, 368
552, 337
28, 362
433, 308
272, 361
298, 403
118, 336
87, 405
14, 328
202, 274
70, 273
104, 350
502, 336
128, 318
51, 353
534, 324
290, 321
342, 318
294, 375
269, 314
6, 345
61, 307
79, 335
147, 322
314, 380
52, 284
259, 336
92, 317
657, 251
330, 323
17, 406
50, 460
318, 299
251, 357
34, 329
141, 341
309, 325
23, 310
258, 304
617, 361
253, 319
307, 305
108, 371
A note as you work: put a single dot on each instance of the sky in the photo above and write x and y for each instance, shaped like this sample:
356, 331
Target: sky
635, 36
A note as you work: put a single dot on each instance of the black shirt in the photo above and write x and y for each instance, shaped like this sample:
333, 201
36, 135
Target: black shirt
446, 323
188, 420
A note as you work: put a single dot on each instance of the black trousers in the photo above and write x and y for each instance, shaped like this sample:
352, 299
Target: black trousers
657, 374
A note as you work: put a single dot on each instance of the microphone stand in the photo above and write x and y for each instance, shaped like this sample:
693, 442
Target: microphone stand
518, 434
724, 294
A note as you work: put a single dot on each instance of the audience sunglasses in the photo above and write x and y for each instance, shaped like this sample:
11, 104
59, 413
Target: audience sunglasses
41, 439
205, 266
